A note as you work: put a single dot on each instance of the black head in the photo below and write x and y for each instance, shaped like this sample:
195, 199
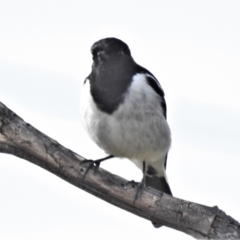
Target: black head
112, 71
109, 47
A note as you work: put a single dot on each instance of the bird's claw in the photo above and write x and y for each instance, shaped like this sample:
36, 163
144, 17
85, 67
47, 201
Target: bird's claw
139, 188
139, 191
131, 184
92, 164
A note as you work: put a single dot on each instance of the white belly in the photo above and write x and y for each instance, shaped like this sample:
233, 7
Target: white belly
137, 130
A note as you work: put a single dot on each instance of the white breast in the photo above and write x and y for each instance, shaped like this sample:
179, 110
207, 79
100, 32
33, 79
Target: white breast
136, 130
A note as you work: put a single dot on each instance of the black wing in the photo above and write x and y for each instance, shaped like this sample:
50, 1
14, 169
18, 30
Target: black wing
153, 82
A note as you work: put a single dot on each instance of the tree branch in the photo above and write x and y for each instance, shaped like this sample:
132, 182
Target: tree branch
23, 140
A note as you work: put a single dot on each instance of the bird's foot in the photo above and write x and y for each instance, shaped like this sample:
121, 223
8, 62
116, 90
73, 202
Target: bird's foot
131, 184
91, 164
139, 191
140, 187
136, 185
94, 163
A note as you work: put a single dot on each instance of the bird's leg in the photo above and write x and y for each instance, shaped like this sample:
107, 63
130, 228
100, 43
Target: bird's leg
138, 184
141, 184
139, 190
144, 169
95, 163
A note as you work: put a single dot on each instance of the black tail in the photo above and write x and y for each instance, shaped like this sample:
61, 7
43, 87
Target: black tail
158, 183
154, 177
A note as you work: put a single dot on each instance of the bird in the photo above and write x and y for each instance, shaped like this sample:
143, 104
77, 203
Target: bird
123, 110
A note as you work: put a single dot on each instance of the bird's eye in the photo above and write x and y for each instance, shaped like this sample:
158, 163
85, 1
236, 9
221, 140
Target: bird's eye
101, 55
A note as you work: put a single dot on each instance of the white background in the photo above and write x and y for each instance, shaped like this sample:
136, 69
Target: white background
192, 47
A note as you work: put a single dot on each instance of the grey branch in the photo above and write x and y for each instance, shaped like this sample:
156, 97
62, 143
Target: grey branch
22, 140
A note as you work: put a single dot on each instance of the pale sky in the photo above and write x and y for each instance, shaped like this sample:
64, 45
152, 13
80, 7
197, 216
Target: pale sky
192, 47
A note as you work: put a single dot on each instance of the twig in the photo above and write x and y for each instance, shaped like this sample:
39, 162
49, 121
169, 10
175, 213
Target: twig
23, 140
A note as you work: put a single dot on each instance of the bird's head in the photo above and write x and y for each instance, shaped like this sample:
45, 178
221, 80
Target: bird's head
109, 48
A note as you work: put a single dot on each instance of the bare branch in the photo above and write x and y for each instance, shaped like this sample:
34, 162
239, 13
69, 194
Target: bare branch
23, 140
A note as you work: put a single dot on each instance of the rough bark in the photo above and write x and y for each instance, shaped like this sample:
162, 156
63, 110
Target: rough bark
23, 140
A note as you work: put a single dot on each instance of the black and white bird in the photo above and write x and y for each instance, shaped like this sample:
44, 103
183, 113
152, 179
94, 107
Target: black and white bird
124, 111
